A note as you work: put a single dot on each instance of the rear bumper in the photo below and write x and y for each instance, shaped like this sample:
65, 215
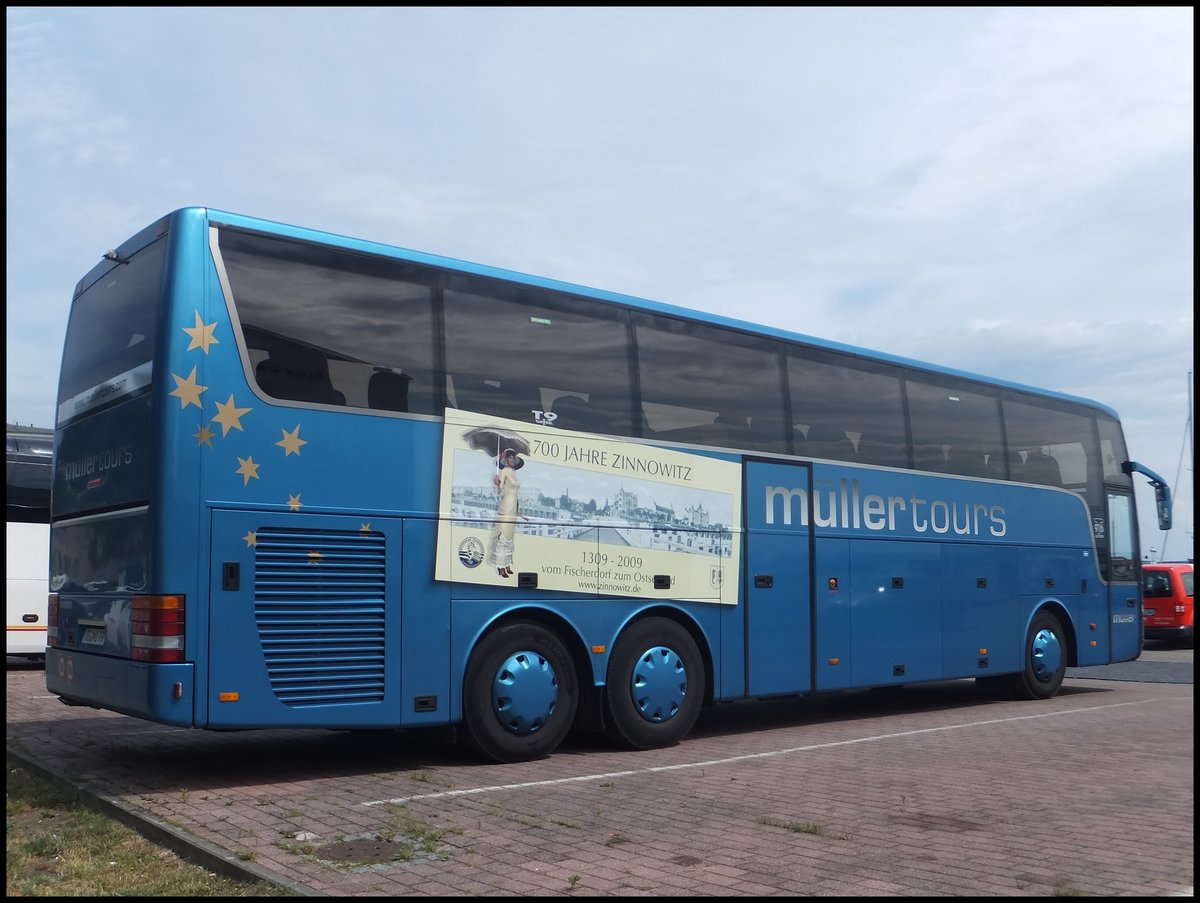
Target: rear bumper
1177, 634
161, 693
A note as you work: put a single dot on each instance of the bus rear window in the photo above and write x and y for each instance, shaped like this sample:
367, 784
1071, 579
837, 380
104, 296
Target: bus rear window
101, 555
109, 347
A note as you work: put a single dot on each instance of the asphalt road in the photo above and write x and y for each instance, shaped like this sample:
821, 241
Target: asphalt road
1159, 663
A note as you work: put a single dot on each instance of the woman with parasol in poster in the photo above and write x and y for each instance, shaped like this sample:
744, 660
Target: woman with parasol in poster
508, 509
506, 484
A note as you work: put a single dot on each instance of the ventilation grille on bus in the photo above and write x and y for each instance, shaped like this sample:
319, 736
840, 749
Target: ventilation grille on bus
318, 603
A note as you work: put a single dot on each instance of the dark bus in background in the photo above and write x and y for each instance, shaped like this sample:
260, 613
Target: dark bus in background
27, 497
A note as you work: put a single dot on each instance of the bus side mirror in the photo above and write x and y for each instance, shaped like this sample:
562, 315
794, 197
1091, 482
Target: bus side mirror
1162, 495
1163, 499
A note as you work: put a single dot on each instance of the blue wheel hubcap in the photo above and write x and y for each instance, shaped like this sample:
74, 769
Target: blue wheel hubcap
1046, 654
658, 684
524, 693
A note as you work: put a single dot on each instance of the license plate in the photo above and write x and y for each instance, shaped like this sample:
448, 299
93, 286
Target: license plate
1149, 612
93, 636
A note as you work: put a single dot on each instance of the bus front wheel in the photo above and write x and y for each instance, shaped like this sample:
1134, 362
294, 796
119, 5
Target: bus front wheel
519, 695
655, 685
1045, 658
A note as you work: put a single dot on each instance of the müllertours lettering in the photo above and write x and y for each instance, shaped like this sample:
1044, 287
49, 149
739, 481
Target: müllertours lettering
845, 506
108, 459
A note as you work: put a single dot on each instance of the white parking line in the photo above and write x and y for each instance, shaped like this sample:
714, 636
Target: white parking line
761, 755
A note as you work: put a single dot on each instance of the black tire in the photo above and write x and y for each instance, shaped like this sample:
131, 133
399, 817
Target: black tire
656, 685
1045, 657
519, 694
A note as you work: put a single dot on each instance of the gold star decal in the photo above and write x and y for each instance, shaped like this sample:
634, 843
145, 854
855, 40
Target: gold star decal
204, 436
365, 528
291, 442
247, 468
230, 416
251, 538
294, 502
202, 334
187, 390
315, 557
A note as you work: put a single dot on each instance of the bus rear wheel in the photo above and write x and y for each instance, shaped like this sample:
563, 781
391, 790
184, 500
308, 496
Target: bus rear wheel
519, 695
656, 685
1045, 659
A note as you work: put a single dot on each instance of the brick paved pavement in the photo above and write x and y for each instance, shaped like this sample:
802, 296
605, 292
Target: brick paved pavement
932, 791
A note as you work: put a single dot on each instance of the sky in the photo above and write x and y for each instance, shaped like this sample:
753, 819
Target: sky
1007, 191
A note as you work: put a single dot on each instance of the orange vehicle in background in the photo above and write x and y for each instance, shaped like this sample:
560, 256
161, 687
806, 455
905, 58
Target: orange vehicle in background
1167, 601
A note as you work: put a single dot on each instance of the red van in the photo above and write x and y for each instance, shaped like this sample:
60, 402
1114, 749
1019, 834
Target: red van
1167, 601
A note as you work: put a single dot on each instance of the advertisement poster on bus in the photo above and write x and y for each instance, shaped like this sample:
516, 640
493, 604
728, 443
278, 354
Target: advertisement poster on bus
584, 513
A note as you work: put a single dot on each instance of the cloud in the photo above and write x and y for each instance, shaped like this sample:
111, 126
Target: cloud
1055, 105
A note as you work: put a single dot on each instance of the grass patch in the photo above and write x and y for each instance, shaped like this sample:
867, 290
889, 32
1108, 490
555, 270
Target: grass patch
56, 846
802, 828
414, 835
793, 826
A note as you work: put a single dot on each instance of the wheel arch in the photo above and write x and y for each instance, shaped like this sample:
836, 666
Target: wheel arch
1071, 639
564, 627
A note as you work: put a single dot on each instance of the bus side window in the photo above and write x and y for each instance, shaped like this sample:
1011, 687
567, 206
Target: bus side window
387, 390
994, 465
1016, 467
829, 442
573, 413
298, 374
967, 461
928, 456
706, 386
500, 397
1042, 468
734, 429
887, 454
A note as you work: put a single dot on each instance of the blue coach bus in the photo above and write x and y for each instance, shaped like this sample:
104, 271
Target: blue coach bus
303, 480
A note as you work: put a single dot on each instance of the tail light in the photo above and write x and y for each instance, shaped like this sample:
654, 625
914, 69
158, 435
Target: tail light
52, 619
158, 628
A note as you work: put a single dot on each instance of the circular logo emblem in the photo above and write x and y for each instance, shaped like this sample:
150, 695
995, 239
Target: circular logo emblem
470, 552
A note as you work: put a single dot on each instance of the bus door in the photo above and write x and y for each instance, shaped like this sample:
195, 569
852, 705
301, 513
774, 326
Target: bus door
778, 580
1124, 610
